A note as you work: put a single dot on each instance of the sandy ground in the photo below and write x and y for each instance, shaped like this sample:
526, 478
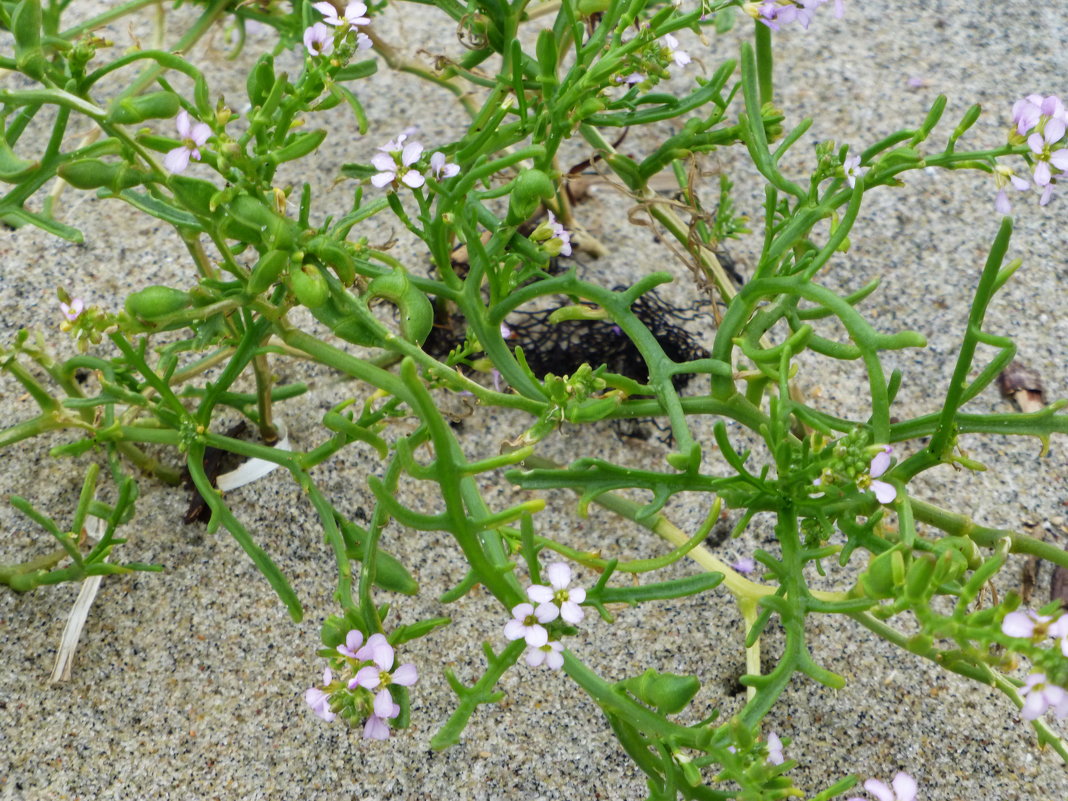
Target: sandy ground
188, 684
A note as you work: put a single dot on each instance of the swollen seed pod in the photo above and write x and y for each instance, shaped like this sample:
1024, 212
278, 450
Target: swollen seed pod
416, 311
260, 80
12, 168
97, 174
529, 190
336, 256
193, 193
885, 573
268, 270
154, 302
309, 286
153, 106
669, 693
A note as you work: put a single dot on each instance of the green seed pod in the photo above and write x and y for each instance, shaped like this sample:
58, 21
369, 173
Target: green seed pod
97, 174
309, 286
301, 145
547, 57
669, 693
416, 311
966, 122
268, 270
153, 106
587, 8
252, 220
154, 302
918, 581
193, 193
13, 168
933, 116
885, 573
26, 27
336, 256
529, 190
260, 80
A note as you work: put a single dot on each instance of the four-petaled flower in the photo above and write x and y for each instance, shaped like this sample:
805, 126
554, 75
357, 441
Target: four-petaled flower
1003, 177
526, 624
353, 14
378, 676
192, 136
1039, 696
904, 789
319, 699
394, 162
851, 167
550, 655
73, 309
680, 57
774, 12
557, 600
318, 39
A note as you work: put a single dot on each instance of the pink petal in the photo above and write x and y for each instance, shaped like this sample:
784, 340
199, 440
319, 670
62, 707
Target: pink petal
520, 611
1036, 142
571, 612
1042, 173
181, 122
879, 790
555, 659
368, 677
414, 179
1001, 203
176, 160
406, 675
514, 629
1047, 193
884, 493
1018, 624
200, 134
536, 636
559, 573
383, 161
383, 703
879, 463
539, 593
375, 729
1054, 130
1033, 707
382, 179
411, 153
547, 613
905, 787
1059, 159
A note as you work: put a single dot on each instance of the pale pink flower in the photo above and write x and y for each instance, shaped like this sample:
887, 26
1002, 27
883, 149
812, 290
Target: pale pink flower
680, 57
904, 789
319, 699
73, 309
379, 676
775, 753
852, 169
394, 162
1025, 624
880, 463
526, 624
318, 40
557, 600
353, 14
193, 136
1040, 696
377, 726
442, 168
353, 641
549, 655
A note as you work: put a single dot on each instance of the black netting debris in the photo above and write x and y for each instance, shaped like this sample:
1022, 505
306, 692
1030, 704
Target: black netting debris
561, 348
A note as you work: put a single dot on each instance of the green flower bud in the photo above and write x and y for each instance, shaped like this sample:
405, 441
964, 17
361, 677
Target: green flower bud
153, 106
918, 580
154, 302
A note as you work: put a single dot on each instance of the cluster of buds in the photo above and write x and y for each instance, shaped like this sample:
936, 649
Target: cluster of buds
1041, 122
650, 63
361, 690
558, 600
1038, 692
856, 462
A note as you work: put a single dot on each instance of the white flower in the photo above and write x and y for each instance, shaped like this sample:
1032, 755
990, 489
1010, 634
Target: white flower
1040, 696
557, 600
526, 624
394, 161
442, 168
73, 309
192, 136
318, 39
550, 655
353, 14
775, 754
680, 57
852, 169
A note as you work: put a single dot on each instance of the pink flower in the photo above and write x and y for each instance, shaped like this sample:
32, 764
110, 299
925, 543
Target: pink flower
852, 169
526, 624
72, 310
557, 600
1040, 696
442, 168
319, 700
745, 565
394, 162
1025, 624
378, 675
192, 136
353, 640
549, 655
680, 57
318, 40
353, 14
880, 463
905, 789
775, 754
